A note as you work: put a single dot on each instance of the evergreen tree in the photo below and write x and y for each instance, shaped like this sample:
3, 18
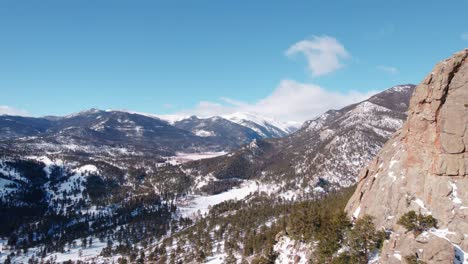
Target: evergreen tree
413, 259
363, 239
417, 223
201, 256
230, 258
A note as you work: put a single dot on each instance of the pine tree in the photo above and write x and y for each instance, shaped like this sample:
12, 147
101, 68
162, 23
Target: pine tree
230, 258
201, 256
417, 223
331, 236
363, 239
414, 259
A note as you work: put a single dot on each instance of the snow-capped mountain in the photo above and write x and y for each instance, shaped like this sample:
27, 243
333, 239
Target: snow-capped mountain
327, 151
108, 174
265, 127
217, 128
96, 131
339, 143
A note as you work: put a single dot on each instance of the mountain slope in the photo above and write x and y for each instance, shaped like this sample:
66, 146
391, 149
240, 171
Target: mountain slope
265, 127
327, 151
423, 168
111, 133
18, 126
219, 130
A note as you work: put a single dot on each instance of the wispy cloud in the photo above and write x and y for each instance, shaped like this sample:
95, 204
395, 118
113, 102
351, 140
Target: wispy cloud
290, 101
323, 54
7, 110
388, 69
464, 36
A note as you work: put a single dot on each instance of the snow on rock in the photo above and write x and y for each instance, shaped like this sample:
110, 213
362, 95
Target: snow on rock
460, 255
400, 88
420, 203
397, 255
357, 212
454, 195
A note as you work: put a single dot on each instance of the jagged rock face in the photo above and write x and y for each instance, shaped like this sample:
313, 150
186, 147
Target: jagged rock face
424, 168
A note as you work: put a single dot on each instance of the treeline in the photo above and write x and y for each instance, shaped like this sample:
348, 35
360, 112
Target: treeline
250, 229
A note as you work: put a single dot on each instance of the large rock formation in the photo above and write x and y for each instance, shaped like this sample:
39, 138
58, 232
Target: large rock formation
424, 168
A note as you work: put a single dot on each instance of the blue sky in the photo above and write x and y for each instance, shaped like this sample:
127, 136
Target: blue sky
59, 57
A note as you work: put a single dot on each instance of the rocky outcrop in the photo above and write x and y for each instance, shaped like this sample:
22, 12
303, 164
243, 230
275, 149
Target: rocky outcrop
424, 168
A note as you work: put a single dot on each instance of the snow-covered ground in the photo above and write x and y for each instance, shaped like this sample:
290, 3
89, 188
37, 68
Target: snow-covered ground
291, 251
195, 204
205, 133
74, 253
186, 157
216, 259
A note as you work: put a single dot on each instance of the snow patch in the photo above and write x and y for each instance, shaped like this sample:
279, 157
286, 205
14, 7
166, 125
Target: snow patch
397, 255
291, 251
357, 212
454, 195
194, 205
420, 203
180, 157
460, 255
204, 133
87, 169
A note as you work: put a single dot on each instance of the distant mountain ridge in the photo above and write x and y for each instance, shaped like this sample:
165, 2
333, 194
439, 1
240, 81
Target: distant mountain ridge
138, 132
266, 127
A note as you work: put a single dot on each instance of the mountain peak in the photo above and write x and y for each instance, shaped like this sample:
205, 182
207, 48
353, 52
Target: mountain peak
85, 112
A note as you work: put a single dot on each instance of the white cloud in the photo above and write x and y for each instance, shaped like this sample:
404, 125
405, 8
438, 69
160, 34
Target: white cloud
290, 101
388, 69
464, 36
6, 110
323, 54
